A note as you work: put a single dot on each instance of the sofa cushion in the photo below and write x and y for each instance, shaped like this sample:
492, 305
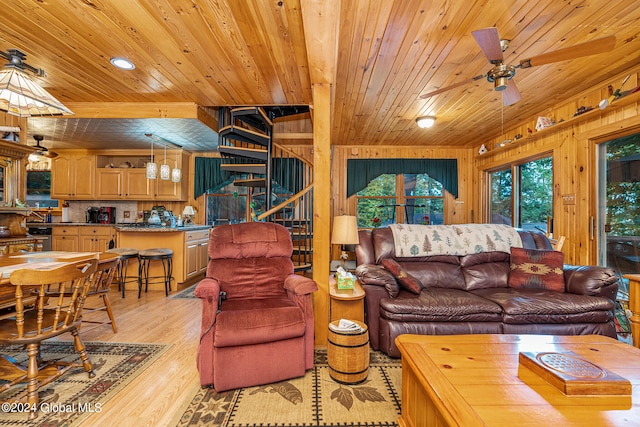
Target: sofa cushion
485, 270
406, 280
255, 321
525, 305
539, 269
439, 305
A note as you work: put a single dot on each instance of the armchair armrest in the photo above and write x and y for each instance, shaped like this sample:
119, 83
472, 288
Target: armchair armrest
374, 274
208, 288
591, 280
299, 285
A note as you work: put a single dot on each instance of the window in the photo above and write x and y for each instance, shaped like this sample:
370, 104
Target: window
522, 195
230, 204
402, 198
39, 190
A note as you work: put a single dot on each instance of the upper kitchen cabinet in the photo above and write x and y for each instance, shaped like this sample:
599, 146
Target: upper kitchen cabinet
73, 176
124, 177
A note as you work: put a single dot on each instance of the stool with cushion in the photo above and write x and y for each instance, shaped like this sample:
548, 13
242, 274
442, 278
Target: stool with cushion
257, 315
145, 256
123, 268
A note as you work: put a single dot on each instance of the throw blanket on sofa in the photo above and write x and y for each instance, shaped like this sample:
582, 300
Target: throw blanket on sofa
414, 240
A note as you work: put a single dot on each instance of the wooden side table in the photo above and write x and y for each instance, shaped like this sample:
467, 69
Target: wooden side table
634, 306
345, 304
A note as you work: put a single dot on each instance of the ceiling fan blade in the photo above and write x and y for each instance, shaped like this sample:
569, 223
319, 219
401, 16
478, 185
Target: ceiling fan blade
511, 94
50, 154
489, 41
592, 47
453, 86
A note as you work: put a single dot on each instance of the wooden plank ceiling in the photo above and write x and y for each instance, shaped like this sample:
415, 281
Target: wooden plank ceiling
229, 52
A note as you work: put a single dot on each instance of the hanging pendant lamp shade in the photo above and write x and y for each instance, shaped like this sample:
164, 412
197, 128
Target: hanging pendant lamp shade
22, 96
165, 169
152, 167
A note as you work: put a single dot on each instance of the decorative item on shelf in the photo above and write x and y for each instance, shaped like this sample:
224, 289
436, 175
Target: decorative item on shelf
188, 213
482, 149
4, 232
10, 133
544, 122
345, 232
581, 110
20, 95
152, 167
605, 102
165, 169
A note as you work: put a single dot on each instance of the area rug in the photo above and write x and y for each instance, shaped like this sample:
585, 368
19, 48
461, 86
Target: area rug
186, 293
74, 396
313, 400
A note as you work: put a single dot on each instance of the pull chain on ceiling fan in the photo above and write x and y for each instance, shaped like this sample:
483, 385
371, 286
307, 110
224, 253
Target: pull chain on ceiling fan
501, 75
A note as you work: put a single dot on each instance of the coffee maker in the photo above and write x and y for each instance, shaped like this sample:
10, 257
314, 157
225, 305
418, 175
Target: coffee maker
93, 215
107, 215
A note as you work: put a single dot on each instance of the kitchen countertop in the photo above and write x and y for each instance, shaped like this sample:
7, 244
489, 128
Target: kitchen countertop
122, 226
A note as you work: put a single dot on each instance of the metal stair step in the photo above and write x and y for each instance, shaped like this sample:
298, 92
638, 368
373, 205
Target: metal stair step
247, 153
255, 168
253, 116
255, 182
245, 135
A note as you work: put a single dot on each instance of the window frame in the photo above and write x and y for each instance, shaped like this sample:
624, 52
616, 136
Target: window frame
515, 168
400, 198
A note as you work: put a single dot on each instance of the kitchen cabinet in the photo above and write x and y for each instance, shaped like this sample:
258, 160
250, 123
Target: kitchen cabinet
64, 238
196, 246
73, 177
116, 183
95, 239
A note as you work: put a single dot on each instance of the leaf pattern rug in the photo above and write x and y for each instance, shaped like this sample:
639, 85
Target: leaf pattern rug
313, 400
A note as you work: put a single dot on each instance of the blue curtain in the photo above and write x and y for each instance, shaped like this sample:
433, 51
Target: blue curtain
360, 172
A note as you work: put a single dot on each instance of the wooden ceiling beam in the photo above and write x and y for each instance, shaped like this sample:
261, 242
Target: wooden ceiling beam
133, 110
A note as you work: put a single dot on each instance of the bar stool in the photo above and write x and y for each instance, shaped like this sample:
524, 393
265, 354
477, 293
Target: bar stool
145, 257
125, 255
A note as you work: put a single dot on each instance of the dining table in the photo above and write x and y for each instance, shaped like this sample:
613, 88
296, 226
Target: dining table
43, 260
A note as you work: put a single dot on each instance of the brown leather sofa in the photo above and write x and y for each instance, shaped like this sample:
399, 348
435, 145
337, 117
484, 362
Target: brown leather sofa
469, 294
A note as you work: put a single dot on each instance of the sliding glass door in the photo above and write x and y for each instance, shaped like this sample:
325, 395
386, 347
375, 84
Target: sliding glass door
618, 215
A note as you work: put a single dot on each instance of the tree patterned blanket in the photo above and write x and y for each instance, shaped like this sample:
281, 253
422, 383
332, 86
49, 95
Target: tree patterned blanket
415, 240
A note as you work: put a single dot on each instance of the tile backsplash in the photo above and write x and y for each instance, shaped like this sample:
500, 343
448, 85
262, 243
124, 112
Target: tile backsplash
78, 209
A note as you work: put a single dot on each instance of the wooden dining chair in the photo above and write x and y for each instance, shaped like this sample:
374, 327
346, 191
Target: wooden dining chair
97, 300
48, 318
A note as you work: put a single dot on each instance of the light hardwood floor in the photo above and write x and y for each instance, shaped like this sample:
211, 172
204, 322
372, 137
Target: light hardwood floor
154, 397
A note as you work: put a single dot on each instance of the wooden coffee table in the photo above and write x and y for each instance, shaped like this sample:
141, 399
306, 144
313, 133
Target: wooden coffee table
476, 380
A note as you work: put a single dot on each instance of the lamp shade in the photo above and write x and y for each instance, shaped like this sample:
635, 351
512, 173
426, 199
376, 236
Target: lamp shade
345, 230
21, 96
188, 210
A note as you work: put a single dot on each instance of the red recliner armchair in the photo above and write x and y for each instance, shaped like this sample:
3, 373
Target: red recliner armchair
257, 315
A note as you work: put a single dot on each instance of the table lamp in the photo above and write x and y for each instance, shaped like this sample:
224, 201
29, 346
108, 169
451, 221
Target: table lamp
345, 232
187, 213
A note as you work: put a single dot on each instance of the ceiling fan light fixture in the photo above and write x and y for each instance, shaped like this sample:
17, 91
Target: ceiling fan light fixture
501, 83
122, 63
426, 121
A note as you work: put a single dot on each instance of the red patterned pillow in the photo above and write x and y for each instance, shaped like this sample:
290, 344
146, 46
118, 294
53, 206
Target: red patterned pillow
534, 268
406, 280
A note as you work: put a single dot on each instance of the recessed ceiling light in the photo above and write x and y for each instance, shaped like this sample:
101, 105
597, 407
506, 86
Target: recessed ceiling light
122, 63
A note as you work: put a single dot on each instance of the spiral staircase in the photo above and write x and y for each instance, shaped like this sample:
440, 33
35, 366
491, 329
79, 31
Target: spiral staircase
279, 182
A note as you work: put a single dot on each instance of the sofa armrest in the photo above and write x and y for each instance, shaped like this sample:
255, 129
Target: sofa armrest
299, 285
591, 280
374, 274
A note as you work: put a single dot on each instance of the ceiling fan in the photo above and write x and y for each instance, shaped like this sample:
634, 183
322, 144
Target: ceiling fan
501, 74
42, 151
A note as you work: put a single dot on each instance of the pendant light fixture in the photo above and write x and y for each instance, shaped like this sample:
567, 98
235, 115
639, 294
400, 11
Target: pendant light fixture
152, 166
165, 169
176, 173
22, 96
